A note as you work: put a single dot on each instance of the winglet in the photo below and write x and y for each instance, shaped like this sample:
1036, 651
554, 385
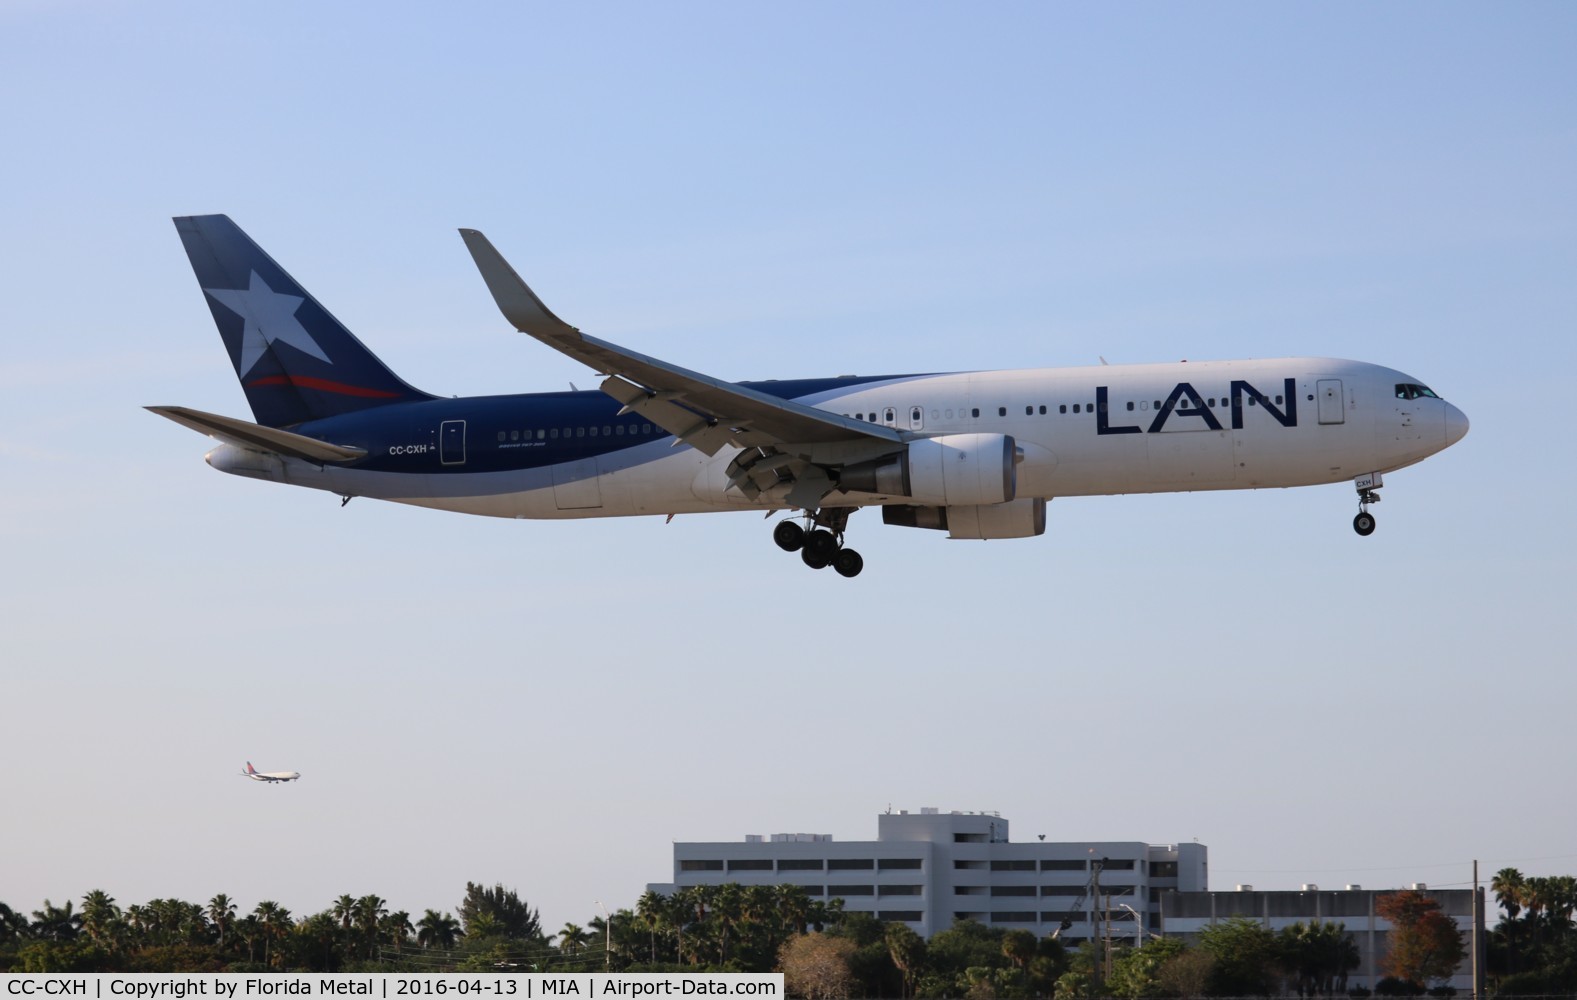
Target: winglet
515, 299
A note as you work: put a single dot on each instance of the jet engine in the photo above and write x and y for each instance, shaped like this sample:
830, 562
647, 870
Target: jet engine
1024, 518
953, 469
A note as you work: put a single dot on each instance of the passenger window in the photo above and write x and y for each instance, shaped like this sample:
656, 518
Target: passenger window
934, 415
1075, 407
1158, 404
949, 414
541, 435
1278, 399
1063, 408
1002, 411
646, 428
1130, 406
554, 433
1043, 410
501, 435
620, 431
1029, 411
1144, 404
606, 430
594, 432
974, 411
580, 432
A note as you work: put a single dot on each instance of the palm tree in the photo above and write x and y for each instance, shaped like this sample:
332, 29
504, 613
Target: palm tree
221, 913
653, 912
1319, 956
13, 925
1510, 889
273, 920
344, 910
370, 910
396, 928
437, 931
100, 916
907, 950
572, 938
56, 923
730, 912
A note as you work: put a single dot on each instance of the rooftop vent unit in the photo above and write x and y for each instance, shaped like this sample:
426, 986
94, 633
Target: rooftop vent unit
1355, 888
754, 838
1419, 887
929, 811
1310, 887
1245, 888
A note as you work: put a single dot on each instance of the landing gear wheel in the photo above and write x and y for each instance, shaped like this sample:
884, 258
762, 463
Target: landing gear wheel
815, 560
1363, 523
848, 562
823, 543
789, 536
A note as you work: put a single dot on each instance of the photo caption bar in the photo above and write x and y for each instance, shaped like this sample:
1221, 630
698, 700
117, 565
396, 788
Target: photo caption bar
388, 986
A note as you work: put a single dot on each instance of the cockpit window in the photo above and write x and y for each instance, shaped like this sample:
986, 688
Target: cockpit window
1407, 390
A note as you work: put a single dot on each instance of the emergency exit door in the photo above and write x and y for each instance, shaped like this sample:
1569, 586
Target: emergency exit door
1332, 405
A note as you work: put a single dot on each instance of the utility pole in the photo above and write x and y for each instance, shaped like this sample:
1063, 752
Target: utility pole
1096, 864
1478, 918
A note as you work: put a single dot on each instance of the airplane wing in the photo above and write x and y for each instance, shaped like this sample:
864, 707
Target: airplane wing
257, 437
785, 440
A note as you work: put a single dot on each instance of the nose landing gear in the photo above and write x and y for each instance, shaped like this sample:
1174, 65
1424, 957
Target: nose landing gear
1367, 485
822, 545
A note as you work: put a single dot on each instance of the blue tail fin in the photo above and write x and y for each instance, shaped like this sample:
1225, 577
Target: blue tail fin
295, 361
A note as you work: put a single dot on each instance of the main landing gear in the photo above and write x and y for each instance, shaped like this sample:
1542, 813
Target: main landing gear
1367, 485
822, 545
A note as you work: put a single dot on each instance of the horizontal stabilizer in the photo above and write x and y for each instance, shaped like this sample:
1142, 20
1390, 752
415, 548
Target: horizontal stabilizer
245, 434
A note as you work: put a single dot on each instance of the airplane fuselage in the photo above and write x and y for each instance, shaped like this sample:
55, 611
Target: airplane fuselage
1105, 430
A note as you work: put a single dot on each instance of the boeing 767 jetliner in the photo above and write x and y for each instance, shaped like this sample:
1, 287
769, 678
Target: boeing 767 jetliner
975, 454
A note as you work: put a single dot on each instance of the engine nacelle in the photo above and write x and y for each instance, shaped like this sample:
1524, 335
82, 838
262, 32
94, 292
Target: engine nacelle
1024, 518
945, 471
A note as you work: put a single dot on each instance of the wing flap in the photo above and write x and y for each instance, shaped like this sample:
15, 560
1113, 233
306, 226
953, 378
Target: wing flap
245, 434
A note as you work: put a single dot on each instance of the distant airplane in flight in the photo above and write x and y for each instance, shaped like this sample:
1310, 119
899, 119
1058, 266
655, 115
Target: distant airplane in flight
256, 775
975, 454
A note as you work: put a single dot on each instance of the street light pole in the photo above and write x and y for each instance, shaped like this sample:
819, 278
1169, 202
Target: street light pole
1138, 922
607, 940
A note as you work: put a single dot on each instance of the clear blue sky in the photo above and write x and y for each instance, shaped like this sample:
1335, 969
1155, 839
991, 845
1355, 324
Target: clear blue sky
774, 191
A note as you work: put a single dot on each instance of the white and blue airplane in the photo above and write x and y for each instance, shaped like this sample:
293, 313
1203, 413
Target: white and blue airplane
974, 454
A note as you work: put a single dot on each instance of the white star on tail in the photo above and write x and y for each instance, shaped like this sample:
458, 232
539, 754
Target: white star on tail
269, 316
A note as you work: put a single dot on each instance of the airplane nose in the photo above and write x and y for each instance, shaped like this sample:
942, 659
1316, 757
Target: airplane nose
1456, 425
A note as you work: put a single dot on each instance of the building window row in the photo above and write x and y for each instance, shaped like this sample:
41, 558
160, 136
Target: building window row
801, 864
1049, 864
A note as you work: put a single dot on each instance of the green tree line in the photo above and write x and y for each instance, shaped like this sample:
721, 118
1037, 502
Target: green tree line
1533, 950
823, 951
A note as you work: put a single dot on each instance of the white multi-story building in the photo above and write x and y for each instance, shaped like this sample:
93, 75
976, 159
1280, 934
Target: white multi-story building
930, 868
